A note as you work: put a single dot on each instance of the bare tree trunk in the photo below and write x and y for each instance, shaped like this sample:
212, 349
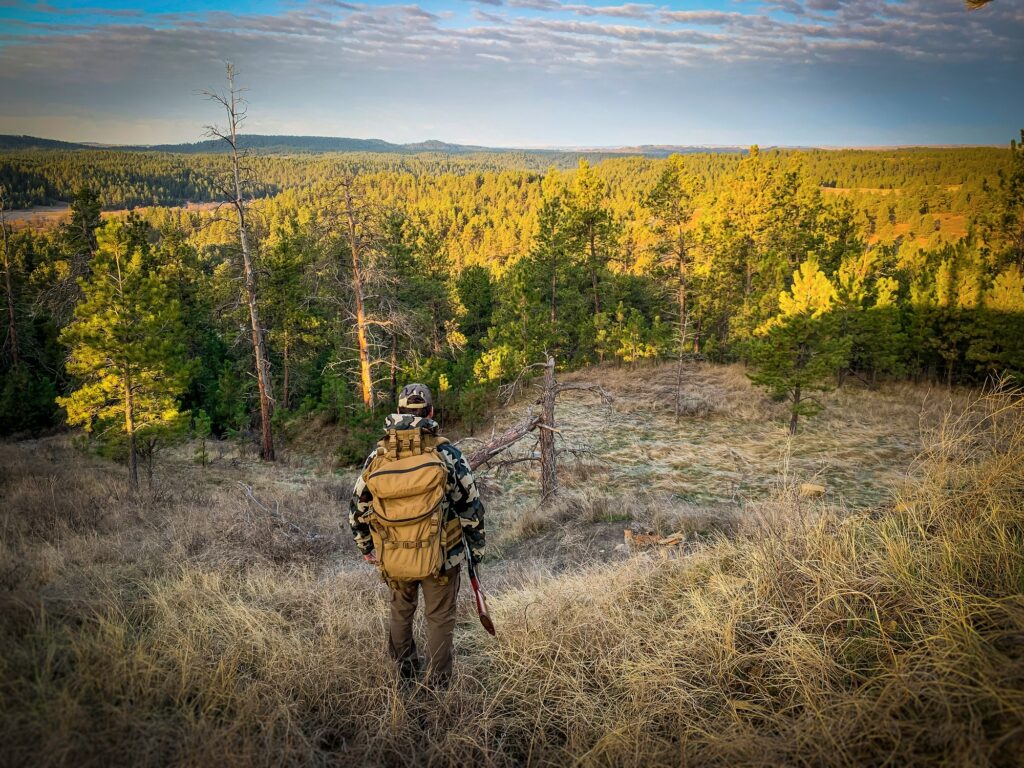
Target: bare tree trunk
554, 292
12, 326
259, 347
593, 272
234, 107
682, 333
362, 340
150, 450
795, 413
548, 467
129, 428
284, 393
394, 370
434, 328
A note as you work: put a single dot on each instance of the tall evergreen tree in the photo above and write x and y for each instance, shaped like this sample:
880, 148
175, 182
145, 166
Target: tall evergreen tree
125, 347
591, 226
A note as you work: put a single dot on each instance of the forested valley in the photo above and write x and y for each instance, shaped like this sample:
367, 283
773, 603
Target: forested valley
814, 268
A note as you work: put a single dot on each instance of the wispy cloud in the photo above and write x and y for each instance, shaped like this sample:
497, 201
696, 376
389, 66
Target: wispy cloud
50, 56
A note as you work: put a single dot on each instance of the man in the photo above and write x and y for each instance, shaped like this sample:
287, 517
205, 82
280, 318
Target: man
413, 511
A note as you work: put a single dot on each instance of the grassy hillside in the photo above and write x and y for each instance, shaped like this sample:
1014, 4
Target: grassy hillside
188, 626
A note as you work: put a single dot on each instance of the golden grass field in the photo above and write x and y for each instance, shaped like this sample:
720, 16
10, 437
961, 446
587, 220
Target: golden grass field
880, 625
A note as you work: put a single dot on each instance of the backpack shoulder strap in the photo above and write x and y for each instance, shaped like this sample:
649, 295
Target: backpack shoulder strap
387, 447
431, 440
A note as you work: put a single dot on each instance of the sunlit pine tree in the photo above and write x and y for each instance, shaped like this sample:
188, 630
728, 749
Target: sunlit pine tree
124, 347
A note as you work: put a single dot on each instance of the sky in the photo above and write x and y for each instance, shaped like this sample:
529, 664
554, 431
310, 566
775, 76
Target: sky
521, 73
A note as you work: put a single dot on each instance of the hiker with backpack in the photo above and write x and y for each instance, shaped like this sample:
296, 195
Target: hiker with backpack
416, 514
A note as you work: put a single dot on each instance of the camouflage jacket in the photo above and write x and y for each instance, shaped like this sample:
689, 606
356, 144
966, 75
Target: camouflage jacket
460, 499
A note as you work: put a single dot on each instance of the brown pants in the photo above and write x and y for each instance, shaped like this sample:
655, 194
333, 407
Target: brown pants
439, 603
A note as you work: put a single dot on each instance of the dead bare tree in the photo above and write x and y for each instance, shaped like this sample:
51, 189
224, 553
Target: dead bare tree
548, 430
235, 109
544, 424
353, 212
12, 325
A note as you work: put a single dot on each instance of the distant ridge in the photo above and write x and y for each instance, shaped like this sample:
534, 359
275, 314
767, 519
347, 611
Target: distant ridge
269, 144
274, 144
9, 142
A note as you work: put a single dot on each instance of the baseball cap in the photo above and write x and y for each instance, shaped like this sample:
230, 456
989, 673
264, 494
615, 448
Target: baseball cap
415, 396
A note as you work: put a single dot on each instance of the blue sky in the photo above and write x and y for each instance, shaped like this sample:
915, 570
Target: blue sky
522, 72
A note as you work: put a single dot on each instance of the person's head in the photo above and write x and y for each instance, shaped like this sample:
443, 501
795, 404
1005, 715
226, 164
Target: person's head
415, 399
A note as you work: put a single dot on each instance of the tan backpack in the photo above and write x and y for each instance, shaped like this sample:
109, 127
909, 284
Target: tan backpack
407, 478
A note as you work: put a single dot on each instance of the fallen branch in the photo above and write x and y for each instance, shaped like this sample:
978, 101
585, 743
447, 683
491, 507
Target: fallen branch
496, 445
505, 463
276, 515
597, 389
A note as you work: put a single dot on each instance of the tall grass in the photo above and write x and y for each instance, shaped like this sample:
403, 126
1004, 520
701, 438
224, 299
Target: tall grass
809, 637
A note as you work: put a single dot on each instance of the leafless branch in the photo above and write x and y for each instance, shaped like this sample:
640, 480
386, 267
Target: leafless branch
497, 444
276, 514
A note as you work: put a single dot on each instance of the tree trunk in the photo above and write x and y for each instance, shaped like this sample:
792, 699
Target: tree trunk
554, 291
394, 371
150, 450
251, 292
548, 467
12, 326
362, 340
258, 345
284, 393
682, 334
129, 428
434, 328
593, 272
795, 413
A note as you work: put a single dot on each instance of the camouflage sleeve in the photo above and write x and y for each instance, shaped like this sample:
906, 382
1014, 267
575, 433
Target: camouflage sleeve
465, 499
358, 506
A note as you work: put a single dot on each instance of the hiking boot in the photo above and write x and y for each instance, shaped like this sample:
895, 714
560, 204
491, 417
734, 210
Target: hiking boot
409, 669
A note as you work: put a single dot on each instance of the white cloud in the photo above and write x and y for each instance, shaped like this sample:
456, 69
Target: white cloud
353, 49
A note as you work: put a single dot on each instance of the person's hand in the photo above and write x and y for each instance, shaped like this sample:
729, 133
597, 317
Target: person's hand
371, 558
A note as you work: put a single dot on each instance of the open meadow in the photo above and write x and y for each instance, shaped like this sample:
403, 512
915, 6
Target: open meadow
878, 624
692, 331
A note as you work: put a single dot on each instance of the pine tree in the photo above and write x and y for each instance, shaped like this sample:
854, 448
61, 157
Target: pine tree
867, 316
799, 351
286, 306
998, 344
125, 348
671, 207
591, 226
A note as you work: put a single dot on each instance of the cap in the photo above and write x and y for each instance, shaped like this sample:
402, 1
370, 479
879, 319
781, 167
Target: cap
415, 396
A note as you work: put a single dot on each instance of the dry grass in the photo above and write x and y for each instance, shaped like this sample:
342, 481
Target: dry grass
185, 629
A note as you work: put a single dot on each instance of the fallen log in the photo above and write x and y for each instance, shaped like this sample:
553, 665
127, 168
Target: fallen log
497, 444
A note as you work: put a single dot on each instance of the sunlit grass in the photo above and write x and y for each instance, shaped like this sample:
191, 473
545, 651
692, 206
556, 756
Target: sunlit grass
184, 628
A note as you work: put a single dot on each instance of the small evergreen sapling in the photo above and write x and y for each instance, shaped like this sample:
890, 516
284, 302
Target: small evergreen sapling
799, 350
